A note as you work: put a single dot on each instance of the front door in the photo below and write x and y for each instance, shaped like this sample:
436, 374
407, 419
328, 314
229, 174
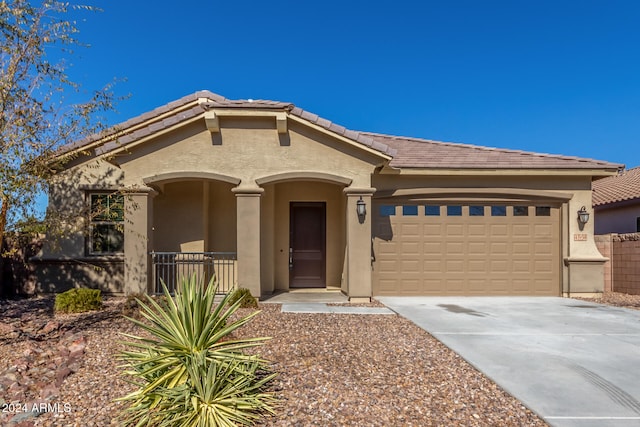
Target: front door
307, 264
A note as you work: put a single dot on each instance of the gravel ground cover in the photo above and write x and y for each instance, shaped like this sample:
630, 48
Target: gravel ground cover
333, 369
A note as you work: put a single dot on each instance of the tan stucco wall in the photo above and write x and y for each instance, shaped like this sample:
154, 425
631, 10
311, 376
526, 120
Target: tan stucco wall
178, 220
246, 149
68, 202
195, 216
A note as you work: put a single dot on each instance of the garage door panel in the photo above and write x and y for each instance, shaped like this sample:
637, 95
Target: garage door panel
521, 266
454, 248
543, 230
477, 248
468, 255
410, 266
410, 230
498, 266
433, 266
436, 230
521, 248
477, 267
498, 248
477, 230
388, 266
521, 231
456, 285
410, 247
454, 266
543, 266
434, 248
477, 285
454, 230
388, 245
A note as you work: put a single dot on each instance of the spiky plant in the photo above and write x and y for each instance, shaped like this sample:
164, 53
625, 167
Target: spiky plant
190, 371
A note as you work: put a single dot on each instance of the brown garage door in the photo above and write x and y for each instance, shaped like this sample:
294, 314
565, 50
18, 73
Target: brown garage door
466, 249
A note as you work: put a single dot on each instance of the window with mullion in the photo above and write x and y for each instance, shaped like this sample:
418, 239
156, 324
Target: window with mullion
107, 223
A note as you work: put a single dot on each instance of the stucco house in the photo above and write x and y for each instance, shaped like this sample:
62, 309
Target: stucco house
616, 202
275, 198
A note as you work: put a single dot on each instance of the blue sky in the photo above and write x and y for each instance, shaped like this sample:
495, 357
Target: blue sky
547, 76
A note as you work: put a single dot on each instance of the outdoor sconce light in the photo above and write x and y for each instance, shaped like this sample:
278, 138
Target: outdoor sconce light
583, 215
361, 208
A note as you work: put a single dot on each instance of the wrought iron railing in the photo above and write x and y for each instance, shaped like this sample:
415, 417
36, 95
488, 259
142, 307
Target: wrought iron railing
171, 267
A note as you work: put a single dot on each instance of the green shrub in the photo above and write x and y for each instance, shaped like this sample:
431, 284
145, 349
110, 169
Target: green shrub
78, 301
244, 296
188, 370
131, 306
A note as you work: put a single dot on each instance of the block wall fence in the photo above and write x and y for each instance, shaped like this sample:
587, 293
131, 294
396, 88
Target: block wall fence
622, 271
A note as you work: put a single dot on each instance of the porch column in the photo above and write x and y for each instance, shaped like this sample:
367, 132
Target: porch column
248, 242
138, 234
358, 256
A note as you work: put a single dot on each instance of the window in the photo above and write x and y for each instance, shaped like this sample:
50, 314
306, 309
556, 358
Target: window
476, 210
454, 210
543, 211
498, 210
410, 210
520, 211
432, 210
387, 210
638, 224
107, 223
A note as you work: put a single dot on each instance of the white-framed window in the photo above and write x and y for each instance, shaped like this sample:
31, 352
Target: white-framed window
106, 223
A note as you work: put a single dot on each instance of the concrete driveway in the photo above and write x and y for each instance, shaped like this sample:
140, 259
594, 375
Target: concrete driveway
574, 363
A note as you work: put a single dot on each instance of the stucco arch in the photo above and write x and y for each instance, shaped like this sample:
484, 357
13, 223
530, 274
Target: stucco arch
189, 175
304, 176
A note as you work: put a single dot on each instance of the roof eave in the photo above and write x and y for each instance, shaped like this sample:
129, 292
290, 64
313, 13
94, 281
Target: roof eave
463, 171
618, 203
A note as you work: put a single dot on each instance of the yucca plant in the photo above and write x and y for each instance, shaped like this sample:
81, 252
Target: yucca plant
190, 371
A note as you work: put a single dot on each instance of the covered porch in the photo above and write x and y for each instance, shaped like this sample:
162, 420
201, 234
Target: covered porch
283, 233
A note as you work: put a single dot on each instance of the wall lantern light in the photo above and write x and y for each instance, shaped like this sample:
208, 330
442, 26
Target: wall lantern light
583, 215
361, 208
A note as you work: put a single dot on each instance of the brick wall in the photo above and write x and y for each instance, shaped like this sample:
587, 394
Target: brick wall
623, 269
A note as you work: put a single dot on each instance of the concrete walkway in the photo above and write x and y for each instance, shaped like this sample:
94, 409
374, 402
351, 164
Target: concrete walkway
317, 302
574, 363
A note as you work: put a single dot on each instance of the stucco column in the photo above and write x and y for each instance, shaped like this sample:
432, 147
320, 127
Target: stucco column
248, 232
585, 264
358, 256
138, 208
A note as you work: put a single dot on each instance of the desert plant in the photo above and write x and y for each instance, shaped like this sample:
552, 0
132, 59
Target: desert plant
190, 371
244, 296
78, 300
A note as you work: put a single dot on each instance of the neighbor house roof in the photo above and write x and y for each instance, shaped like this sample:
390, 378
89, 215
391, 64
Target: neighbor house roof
619, 188
405, 152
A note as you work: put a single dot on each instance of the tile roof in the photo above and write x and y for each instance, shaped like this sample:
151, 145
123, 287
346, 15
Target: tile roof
405, 152
423, 153
619, 188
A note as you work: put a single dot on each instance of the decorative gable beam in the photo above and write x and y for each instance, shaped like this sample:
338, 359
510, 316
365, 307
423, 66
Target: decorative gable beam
281, 122
212, 120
